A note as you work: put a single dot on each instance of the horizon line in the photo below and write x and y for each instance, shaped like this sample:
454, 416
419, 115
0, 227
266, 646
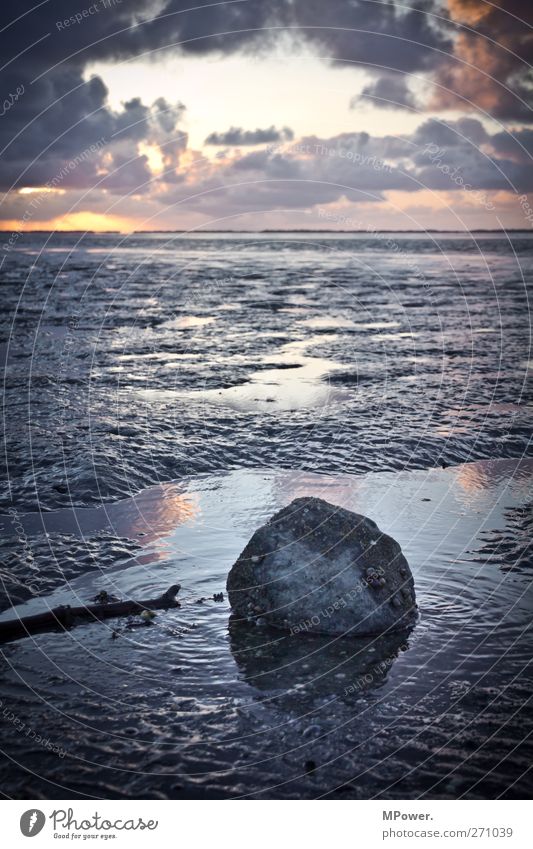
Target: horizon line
277, 230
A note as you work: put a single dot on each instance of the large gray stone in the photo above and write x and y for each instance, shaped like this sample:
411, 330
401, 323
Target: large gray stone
318, 568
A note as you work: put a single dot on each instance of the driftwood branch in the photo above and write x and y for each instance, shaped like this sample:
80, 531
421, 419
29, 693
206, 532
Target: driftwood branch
65, 617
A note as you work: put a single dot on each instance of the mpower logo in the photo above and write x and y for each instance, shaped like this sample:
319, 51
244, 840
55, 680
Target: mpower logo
31, 822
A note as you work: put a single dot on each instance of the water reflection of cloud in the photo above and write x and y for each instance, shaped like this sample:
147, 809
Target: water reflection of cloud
477, 481
486, 474
337, 490
152, 518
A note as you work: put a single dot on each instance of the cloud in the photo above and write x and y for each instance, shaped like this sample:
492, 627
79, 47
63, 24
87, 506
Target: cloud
387, 91
60, 113
83, 119
378, 36
517, 146
236, 136
489, 68
455, 158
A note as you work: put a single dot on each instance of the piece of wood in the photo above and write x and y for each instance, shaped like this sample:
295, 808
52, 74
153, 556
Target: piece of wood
64, 617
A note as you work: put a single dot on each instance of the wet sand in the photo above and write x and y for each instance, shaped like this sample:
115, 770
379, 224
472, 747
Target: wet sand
190, 707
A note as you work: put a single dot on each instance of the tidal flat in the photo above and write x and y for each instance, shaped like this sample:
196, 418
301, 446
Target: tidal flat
165, 396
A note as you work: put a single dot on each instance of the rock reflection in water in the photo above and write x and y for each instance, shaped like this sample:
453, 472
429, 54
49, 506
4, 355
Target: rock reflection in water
303, 667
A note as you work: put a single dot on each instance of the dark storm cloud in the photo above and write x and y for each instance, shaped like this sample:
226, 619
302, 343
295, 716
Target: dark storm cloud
450, 152
236, 136
387, 91
271, 165
518, 146
486, 66
59, 114
456, 157
377, 35
349, 30
468, 133
38, 148
424, 159
56, 113
490, 65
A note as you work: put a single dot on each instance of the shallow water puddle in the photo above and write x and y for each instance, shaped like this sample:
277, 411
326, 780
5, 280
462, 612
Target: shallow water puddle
436, 515
328, 322
189, 322
197, 703
300, 381
275, 390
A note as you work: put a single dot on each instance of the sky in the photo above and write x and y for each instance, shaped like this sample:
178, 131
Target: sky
287, 114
